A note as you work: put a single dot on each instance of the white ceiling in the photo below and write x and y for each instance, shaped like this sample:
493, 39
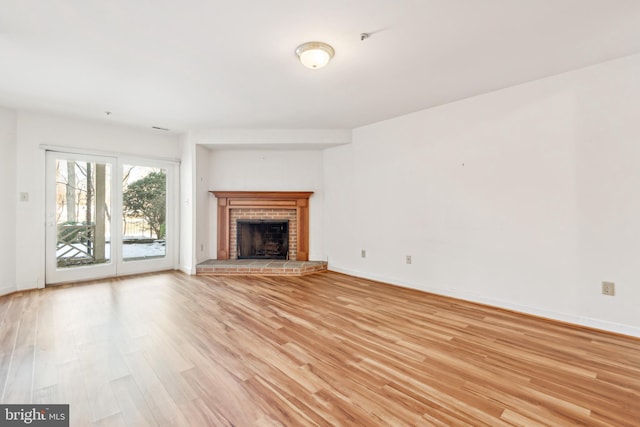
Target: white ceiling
199, 64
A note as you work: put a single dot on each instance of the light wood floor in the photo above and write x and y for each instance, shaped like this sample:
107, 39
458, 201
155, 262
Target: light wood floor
326, 349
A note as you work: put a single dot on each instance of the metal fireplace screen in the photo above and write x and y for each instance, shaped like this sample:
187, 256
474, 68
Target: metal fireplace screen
263, 239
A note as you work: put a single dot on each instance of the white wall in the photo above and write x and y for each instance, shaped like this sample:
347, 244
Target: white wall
608, 174
9, 197
270, 170
525, 198
34, 129
339, 204
202, 236
195, 235
187, 205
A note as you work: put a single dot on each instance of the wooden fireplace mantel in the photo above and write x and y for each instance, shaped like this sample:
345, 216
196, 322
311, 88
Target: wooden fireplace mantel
298, 200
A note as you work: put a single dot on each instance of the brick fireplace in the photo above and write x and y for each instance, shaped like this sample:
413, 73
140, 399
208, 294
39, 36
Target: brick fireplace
262, 205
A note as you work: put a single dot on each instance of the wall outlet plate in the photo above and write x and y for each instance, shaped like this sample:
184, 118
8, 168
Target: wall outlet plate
608, 288
363, 253
408, 259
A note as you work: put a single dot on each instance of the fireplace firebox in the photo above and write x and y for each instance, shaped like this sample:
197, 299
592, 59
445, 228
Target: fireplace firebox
263, 239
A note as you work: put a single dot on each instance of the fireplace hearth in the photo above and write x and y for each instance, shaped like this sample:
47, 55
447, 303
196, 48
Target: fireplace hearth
263, 239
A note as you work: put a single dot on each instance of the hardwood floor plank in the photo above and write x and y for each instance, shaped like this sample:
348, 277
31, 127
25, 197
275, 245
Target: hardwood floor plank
156, 398
71, 390
20, 376
115, 420
320, 350
197, 413
5, 365
131, 403
224, 394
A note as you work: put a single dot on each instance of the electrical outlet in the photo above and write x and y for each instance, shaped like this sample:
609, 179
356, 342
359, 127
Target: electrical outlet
24, 197
363, 253
408, 259
201, 247
608, 288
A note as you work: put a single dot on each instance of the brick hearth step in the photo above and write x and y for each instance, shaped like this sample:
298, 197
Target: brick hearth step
259, 267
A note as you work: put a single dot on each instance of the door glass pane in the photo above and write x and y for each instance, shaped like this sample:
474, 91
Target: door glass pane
144, 209
83, 213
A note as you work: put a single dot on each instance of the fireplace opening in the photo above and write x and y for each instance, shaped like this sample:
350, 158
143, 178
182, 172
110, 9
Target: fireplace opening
263, 239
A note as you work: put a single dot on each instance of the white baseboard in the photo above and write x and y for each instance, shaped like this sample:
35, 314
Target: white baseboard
604, 325
7, 290
27, 286
187, 270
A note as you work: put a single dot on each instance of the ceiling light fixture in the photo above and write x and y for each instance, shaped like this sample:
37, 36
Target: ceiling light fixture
314, 55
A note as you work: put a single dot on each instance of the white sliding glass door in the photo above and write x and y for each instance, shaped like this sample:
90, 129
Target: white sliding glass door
108, 216
80, 205
148, 221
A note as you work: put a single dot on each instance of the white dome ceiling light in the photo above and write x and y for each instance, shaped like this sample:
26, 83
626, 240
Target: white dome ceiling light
314, 55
